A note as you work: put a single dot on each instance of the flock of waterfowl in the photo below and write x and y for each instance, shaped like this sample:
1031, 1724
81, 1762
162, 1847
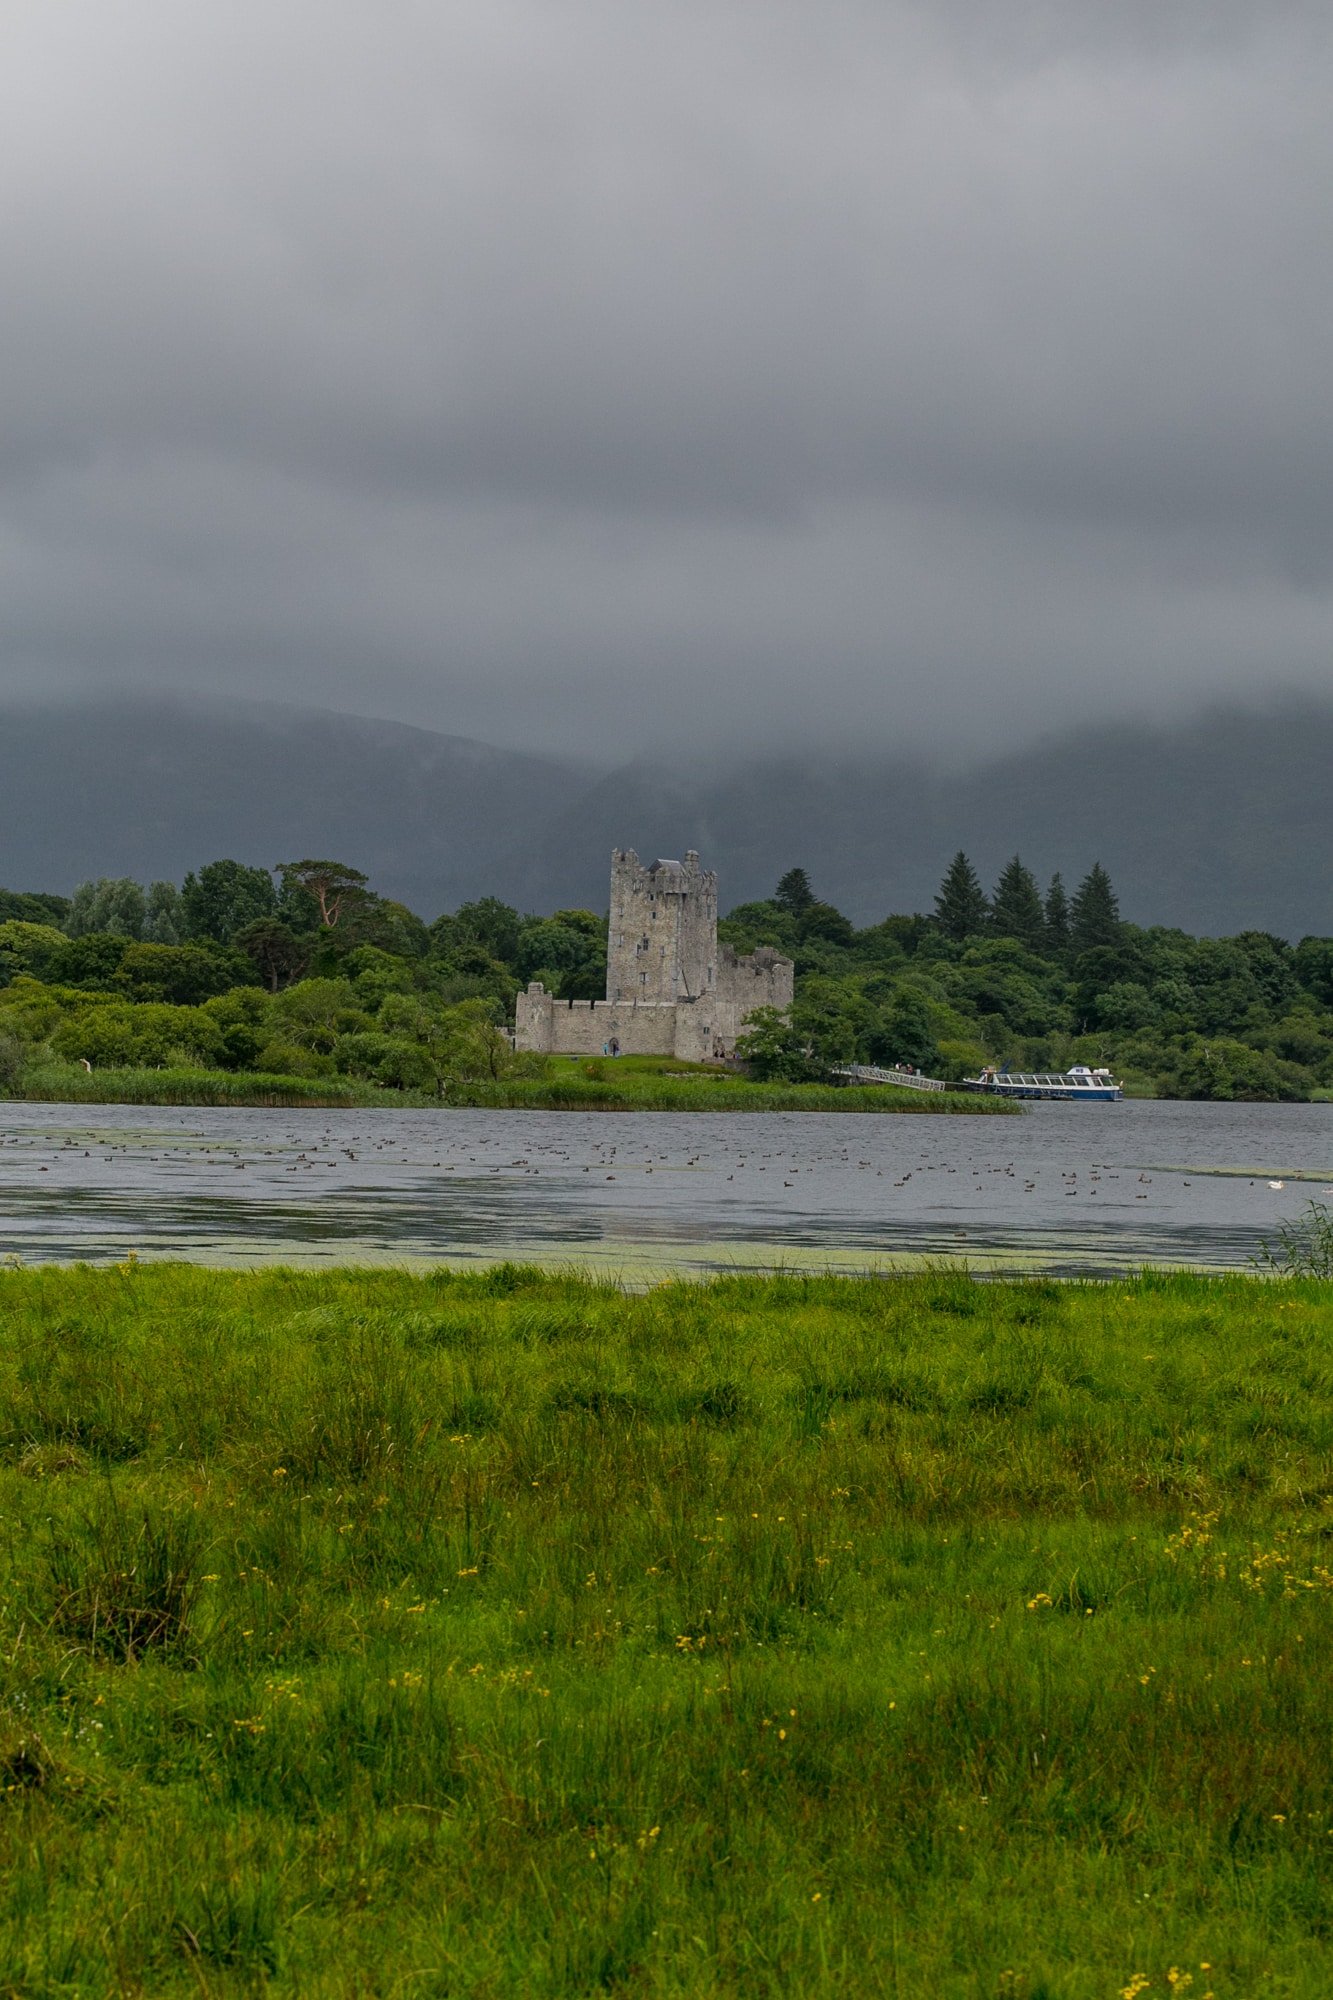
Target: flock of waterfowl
423, 1185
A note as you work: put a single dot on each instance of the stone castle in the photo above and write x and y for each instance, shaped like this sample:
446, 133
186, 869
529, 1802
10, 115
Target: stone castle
671, 990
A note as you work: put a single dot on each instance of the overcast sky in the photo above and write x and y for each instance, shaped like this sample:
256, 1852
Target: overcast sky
562, 371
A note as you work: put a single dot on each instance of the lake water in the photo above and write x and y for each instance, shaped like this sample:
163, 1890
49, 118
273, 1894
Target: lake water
1074, 1189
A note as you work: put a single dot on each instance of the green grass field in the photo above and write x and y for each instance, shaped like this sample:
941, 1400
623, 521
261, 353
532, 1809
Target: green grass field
506, 1635
647, 1083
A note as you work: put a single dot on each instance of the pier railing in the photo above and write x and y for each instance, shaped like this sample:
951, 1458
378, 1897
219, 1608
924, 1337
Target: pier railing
904, 1079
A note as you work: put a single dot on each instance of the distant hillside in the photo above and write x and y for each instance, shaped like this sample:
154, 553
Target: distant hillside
151, 788
1221, 825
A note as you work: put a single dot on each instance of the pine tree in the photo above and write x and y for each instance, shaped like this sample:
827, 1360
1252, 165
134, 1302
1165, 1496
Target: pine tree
794, 893
1057, 918
1016, 910
162, 921
1094, 914
961, 909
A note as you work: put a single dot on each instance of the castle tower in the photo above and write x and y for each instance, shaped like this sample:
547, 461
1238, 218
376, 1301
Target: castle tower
663, 938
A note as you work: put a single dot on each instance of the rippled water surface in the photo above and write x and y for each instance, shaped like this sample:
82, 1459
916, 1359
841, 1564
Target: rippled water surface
1067, 1188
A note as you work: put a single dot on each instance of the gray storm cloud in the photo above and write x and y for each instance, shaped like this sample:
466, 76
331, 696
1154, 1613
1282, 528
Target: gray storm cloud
557, 372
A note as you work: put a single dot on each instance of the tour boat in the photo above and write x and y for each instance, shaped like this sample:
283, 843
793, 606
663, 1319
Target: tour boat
1078, 1084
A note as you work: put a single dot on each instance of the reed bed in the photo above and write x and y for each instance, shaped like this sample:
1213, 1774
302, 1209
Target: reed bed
504, 1634
571, 1088
567, 1088
69, 1083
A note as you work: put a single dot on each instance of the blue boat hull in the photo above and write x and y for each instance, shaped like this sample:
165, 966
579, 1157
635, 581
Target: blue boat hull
1072, 1093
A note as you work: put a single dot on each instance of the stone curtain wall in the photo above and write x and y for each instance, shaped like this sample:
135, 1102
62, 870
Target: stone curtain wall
764, 979
547, 1026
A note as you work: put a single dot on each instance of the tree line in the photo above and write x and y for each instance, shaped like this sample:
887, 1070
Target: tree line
304, 970
301, 971
1040, 980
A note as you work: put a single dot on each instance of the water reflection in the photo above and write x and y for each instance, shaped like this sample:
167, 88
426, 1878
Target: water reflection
1073, 1189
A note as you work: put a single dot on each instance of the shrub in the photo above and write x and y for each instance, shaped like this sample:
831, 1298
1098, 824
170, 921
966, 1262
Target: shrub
284, 1058
384, 1059
28, 948
13, 1061
146, 1035
184, 974
1224, 1071
1304, 1249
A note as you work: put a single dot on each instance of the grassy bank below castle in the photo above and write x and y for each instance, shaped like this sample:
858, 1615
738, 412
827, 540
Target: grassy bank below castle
502, 1634
633, 1083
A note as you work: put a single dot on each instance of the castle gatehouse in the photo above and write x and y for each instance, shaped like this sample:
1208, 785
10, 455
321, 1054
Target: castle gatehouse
671, 989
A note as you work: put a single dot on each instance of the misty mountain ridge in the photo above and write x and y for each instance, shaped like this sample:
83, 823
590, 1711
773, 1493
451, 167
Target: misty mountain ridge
1218, 824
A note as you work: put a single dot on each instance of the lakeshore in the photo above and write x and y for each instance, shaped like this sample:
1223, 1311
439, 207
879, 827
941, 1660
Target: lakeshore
633, 1083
